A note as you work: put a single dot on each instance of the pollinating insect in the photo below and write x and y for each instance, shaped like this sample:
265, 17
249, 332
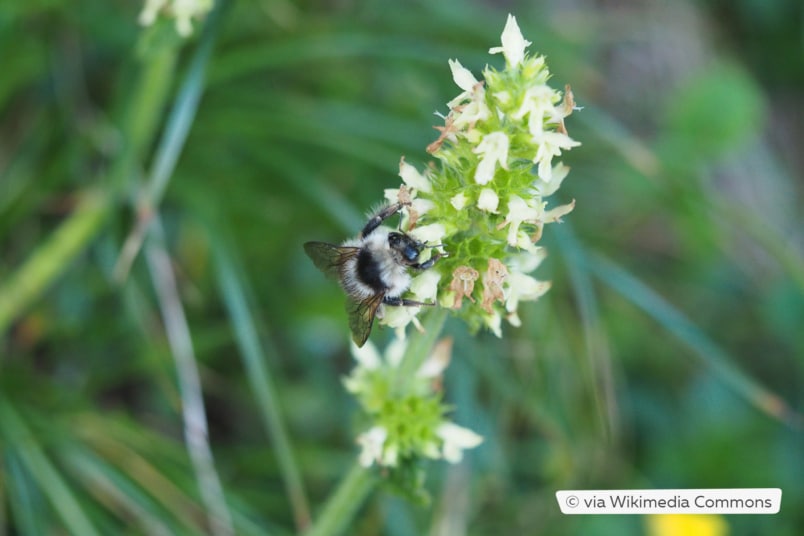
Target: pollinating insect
372, 269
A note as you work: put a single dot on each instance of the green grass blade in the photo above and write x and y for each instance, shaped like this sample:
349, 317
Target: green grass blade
174, 136
675, 322
254, 359
117, 493
196, 432
18, 436
184, 109
598, 367
23, 500
52, 258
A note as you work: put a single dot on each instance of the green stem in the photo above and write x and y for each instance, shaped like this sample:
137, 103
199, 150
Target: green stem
344, 503
419, 348
52, 258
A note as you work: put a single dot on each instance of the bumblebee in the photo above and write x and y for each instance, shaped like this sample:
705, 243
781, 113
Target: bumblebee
372, 269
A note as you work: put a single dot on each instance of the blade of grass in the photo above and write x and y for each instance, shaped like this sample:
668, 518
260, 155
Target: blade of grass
771, 239
22, 499
52, 258
194, 415
598, 369
274, 55
141, 456
19, 437
675, 322
174, 136
116, 493
254, 359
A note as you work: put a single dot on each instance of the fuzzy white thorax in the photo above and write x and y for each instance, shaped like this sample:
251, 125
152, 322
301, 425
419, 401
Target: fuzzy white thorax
392, 272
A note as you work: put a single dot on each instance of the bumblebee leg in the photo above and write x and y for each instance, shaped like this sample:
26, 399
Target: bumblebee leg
380, 217
429, 262
403, 302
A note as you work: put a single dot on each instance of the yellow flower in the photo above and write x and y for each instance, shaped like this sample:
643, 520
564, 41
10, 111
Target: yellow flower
686, 525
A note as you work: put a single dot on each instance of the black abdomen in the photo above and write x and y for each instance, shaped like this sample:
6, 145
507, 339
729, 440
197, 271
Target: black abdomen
368, 270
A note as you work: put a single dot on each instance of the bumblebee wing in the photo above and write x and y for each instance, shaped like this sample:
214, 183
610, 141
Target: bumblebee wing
328, 257
361, 317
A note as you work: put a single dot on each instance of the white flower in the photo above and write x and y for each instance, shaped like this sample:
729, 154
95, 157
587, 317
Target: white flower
513, 44
537, 104
493, 321
502, 97
421, 206
149, 11
558, 174
463, 77
372, 445
458, 201
456, 439
494, 148
470, 106
425, 285
391, 195
488, 200
424, 288
527, 261
400, 317
554, 214
550, 145
520, 211
524, 241
523, 287
412, 177
182, 10
430, 234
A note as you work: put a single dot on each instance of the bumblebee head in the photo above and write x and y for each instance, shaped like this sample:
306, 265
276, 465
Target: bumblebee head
407, 247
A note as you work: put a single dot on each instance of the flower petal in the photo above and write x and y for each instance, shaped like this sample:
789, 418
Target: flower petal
463, 77
456, 439
523, 287
372, 443
513, 44
412, 177
458, 201
425, 285
431, 234
488, 200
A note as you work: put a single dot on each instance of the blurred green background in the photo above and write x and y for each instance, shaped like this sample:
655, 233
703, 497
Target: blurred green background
668, 354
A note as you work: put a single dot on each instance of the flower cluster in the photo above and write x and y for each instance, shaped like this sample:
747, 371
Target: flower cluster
407, 423
184, 11
484, 199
